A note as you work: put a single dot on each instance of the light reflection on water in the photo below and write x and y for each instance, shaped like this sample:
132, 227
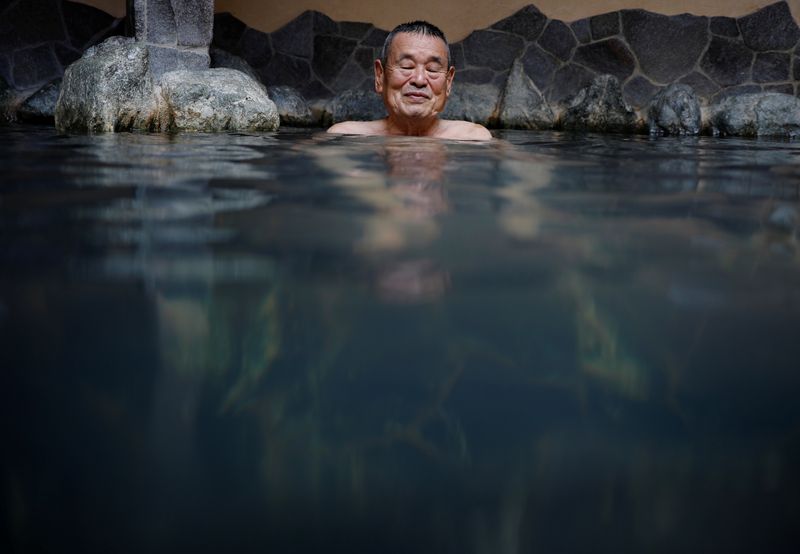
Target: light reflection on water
294, 342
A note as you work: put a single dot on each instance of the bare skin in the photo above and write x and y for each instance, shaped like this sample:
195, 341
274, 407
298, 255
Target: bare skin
415, 85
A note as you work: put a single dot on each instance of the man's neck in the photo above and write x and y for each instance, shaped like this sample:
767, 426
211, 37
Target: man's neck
412, 128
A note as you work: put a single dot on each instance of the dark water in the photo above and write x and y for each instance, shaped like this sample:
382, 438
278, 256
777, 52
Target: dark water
299, 343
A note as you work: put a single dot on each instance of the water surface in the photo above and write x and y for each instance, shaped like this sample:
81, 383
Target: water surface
294, 342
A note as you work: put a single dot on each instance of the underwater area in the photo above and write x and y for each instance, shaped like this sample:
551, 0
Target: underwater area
298, 342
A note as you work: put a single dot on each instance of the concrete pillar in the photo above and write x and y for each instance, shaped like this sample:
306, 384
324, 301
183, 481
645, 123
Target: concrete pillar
177, 33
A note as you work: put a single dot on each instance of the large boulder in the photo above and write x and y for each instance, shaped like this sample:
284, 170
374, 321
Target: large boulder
293, 109
354, 105
41, 106
757, 115
675, 111
219, 99
109, 89
473, 102
223, 58
599, 107
523, 106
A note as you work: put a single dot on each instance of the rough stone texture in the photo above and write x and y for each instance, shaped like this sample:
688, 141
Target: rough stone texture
607, 56
375, 38
350, 77
539, 65
108, 89
255, 48
30, 22
582, 30
796, 68
528, 23
567, 81
355, 105
285, 70
605, 25
727, 62
757, 115
296, 38
675, 111
787, 88
666, 47
492, 49
41, 106
477, 76
638, 92
724, 26
599, 107
293, 109
177, 32
476, 103
35, 65
771, 66
155, 22
221, 58
736, 91
354, 29
523, 106
558, 39
331, 54
164, 59
701, 84
227, 31
770, 28
365, 57
195, 22
219, 99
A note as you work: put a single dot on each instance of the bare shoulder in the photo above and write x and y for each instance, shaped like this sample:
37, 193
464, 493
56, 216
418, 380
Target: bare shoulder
358, 128
465, 130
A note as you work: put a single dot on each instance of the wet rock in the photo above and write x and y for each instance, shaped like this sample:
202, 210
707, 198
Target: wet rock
770, 28
599, 107
701, 84
285, 70
786, 88
222, 58
354, 105
219, 99
539, 65
109, 89
296, 38
639, 92
582, 30
757, 115
605, 25
293, 109
558, 39
675, 111
727, 61
736, 91
771, 67
528, 23
567, 81
666, 47
41, 106
476, 103
477, 76
331, 54
523, 106
493, 49
609, 56
724, 26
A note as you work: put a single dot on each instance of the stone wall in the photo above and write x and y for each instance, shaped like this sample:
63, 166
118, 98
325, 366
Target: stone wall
717, 56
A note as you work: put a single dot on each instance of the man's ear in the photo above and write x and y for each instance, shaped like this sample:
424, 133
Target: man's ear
378, 77
451, 73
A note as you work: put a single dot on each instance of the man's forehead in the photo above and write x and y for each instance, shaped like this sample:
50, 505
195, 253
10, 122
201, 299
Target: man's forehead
407, 44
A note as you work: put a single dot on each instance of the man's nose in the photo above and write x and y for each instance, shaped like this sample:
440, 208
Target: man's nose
419, 77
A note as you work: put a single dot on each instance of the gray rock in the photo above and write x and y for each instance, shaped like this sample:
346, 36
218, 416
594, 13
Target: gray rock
7, 103
527, 23
155, 22
796, 68
770, 28
354, 105
605, 25
567, 81
493, 49
724, 26
286, 70
219, 99
558, 39
375, 38
476, 103
639, 92
354, 29
582, 30
757, 115
195, 22
293, 109
254, 47
227, 31
736, 91
600, 108
523, 106
35, 66
701, 84
83, 23
609, 56
771, 67
41, 106
539, 65
478, 76
365, 57
666, 47
351, 76
296, 38
163, 59
785, 88
109, 89
727, 61
675, 111
331, 54
222, 58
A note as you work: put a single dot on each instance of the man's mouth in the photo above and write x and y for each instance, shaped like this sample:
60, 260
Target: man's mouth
416, 95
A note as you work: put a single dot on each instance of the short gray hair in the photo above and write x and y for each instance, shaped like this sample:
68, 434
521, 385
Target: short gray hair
415, 28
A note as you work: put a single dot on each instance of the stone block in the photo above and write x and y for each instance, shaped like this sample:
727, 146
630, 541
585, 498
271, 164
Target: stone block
354, 105
324, 25
296, 38
194, 21
702, 85
557, 38
771, 67
639, 92
350, 77
727, 62
675, 111
567, 81
457, 56
605, 25
227, 32
738, 90
666, 47
354, 29
35, 66
315, 90
41, 106
165, 59
476, 103
30, 22
796, 68
293, 109
331, 53
724, 26
376, 37
523, 106
527, 23
609, 56
155, 22
493, 49
66, 54
223, 58
477, 76
285, 70
255, 48
785, 88
770, 28
83, 23
539, 66
365, 57
757, 115
582, 30
599, 107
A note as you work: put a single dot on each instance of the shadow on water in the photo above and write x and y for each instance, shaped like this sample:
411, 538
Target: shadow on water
295, 342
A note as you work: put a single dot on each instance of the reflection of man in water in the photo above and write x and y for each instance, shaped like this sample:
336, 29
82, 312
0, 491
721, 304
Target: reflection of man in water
414, 76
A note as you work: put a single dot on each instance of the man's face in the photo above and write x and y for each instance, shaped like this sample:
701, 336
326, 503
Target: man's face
416, 81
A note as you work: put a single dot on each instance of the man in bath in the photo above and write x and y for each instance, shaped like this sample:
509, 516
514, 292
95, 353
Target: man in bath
414, 76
